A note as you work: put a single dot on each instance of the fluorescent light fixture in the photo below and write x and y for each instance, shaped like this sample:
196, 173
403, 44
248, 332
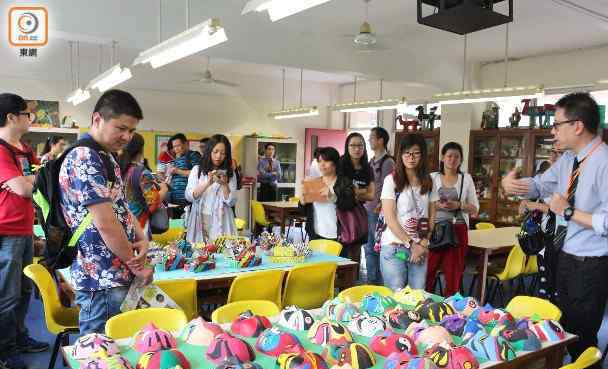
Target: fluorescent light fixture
279, 9
370, 105
295, 113
491, 94
110, 78
77, 96
189, 42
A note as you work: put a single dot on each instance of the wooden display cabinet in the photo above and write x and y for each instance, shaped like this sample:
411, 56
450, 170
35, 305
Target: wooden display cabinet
432, 144
493, 154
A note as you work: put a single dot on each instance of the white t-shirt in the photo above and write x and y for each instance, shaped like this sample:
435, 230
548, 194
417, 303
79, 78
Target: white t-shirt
406, 207
325, 219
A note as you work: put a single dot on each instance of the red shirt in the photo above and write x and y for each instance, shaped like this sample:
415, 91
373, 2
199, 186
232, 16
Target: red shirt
16, 212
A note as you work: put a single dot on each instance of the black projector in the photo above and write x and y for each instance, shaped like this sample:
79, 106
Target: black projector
463, 16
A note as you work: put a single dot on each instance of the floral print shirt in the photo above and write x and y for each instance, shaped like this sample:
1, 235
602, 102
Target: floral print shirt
83, 182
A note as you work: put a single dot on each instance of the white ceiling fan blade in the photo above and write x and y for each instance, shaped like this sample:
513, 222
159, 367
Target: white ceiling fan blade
225, 83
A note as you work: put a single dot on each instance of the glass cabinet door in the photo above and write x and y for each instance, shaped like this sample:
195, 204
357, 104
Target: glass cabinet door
513, 151
483, 173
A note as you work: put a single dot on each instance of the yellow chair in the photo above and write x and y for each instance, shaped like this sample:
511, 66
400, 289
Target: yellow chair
171, 235
294, 199
260, 285
259, 214
589, 357
229, 312
240, 224
514, 267
357, 293
60, 320
526, 306
308, 286
326, 246
484, 225
126, 325
183, 292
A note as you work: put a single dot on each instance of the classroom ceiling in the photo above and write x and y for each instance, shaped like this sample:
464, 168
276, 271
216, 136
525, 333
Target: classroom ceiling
314, 40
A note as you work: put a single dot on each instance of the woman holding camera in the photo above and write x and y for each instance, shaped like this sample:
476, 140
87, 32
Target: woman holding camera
212, 191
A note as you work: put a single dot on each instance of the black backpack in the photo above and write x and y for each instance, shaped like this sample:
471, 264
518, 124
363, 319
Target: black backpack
61, 248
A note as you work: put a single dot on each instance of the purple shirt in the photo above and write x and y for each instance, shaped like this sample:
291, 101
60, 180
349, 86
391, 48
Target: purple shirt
381, 167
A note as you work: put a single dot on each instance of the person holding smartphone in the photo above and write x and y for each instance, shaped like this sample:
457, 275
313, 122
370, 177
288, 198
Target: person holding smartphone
212, 190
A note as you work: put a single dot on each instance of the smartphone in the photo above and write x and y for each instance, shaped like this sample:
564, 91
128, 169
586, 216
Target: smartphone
221, 172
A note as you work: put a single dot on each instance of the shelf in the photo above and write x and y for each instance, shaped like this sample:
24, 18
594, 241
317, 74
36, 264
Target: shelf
288, 162
512, 158
74, 131
484, 156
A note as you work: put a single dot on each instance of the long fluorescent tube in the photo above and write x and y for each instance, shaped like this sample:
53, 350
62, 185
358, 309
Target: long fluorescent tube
464, 97
77, 96
279, 9
295, 113
191, 41
110, 78
369, 106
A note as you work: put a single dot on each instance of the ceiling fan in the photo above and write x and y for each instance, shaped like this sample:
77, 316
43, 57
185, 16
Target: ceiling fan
366, 39
207, 77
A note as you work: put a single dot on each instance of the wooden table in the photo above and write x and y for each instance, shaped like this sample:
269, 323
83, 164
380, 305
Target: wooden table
486, 242
282, 210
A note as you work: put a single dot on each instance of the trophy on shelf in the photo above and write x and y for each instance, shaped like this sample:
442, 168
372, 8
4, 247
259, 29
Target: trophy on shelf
427, 120
515, 118
407, 124
548, 111
530, 109
489, 118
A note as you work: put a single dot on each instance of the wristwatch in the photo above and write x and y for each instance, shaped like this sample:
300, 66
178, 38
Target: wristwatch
568, 213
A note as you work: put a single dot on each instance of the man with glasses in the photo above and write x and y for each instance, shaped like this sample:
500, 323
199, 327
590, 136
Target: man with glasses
382, 165
269, 173
576, 185
16, 231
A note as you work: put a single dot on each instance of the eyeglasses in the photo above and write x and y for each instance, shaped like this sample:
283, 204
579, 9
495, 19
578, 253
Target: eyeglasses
356, 146
30, 116
414, 154
556, 125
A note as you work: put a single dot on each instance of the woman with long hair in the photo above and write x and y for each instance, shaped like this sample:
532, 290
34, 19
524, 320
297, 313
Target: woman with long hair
53, 147
144, 193
453, 199
211, 189
321, 216
405, 205
355, 166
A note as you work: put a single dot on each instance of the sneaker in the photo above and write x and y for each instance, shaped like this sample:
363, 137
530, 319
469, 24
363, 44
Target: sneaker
13, 361
27, 344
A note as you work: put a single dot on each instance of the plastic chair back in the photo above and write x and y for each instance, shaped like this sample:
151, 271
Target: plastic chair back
531, 265
126, 325
58, 318
589, 357
259, 285
484, 225
259, 214
326, 246
357, 293
183, 292
308, 286
171, 235
240, 224
526, 306
294, 199
514, 265
229, 312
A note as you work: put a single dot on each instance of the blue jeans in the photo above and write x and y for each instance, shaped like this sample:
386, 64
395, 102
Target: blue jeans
16, 252
372, 258
398, 273
96, 307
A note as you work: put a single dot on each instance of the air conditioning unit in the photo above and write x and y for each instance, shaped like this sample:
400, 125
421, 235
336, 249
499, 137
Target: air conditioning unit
464, 16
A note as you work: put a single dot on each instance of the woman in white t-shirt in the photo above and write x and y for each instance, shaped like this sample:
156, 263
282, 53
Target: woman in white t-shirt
405, 204
454, 199
212, 191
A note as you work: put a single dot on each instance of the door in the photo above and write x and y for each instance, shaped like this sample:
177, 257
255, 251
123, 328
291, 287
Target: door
316, 137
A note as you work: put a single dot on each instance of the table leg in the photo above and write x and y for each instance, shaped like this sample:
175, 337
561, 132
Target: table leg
282, 217
555, 358
484, 276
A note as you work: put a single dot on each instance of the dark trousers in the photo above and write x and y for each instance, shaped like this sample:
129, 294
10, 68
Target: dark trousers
268, 192
582, 291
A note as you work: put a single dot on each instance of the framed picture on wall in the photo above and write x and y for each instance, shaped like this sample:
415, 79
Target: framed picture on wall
160, 147
46, 112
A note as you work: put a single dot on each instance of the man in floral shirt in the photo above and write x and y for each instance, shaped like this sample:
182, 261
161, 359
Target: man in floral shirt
113, 248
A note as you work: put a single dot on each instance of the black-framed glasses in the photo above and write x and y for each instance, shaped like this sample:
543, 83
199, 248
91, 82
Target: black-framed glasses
30, 116
556, 125
414, 154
